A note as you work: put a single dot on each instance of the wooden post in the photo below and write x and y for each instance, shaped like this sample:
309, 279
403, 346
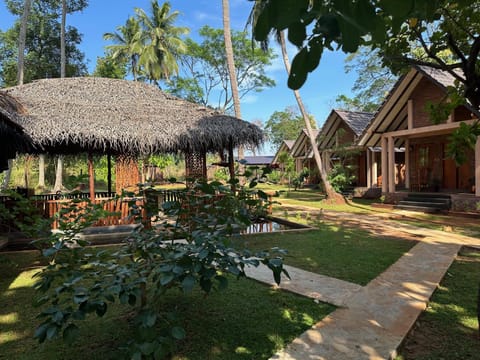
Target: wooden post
391, 164
109, 172
231, 165
384, 166
410, 114
91, 177
368, 155
407, 164
477, 167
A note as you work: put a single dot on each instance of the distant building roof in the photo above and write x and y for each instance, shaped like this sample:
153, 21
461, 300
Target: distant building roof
258, 160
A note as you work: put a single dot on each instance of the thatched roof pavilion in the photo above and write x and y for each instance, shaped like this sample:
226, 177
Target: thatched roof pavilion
102, 115
12, 136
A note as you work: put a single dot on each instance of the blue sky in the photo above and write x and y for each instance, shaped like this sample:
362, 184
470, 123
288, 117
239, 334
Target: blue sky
322, 87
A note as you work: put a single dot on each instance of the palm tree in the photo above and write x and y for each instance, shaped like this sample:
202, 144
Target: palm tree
161, 40
231, 65
280, 37
127, 44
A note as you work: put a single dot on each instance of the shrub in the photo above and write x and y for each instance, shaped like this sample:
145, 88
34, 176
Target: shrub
79, 281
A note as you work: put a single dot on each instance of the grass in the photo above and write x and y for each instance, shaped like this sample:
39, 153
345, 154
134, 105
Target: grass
247, 321
448, 329
344, 253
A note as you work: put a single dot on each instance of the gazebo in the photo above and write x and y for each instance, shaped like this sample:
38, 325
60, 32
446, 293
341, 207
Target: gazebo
124, 119
12, 136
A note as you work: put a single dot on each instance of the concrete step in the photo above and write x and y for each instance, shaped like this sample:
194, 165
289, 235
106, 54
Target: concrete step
429, 195
438, 205
425, 209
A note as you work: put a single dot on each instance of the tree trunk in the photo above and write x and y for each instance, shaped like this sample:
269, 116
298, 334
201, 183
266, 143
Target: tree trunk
59, 175
332, 195
41, 171
21, 42
63, 59
231, 66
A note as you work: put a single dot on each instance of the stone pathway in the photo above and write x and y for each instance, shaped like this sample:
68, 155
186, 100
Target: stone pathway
372, 320
315, 286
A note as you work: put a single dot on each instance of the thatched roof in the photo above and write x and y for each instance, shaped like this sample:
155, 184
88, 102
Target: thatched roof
97, 114
12, 136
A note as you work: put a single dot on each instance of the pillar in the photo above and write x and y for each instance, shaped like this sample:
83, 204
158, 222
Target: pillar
410, 114
391, 164
477, 167
374, 168
384, 165
407, 164
91, 177
369, 167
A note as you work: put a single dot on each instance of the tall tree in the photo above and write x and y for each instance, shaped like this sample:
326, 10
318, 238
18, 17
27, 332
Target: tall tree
110, 68
204, 76
161, 41
285, 125
127, 45
73, 5
42, 53
231, 65
332, 195
21, 41
20, 70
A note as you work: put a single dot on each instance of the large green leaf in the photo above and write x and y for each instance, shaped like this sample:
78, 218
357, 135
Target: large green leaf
298, 71
297, 33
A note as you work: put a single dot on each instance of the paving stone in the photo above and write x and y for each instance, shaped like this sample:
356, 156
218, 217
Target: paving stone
376, 318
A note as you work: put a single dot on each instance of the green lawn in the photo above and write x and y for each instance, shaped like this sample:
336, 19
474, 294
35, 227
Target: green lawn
448, 329
344, 253
247, 321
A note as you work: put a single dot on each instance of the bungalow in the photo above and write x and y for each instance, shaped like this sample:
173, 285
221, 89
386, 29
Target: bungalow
337, 141
404, 121
302, 153
285, 147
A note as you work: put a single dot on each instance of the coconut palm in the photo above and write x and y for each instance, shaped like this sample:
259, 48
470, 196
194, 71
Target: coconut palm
127, 44
161, 41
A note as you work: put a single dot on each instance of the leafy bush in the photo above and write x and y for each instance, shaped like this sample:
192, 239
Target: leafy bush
275, 176
80, 281
341, 177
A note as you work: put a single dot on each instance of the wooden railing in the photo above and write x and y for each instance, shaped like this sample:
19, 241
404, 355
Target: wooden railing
118, 209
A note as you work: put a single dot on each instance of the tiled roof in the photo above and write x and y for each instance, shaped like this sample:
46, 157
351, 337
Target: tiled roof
356, 120
440, 76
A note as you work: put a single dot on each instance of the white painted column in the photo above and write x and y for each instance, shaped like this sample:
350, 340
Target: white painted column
407, 164
391, 164
384, 165
374, 168
369, 167
477, 167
